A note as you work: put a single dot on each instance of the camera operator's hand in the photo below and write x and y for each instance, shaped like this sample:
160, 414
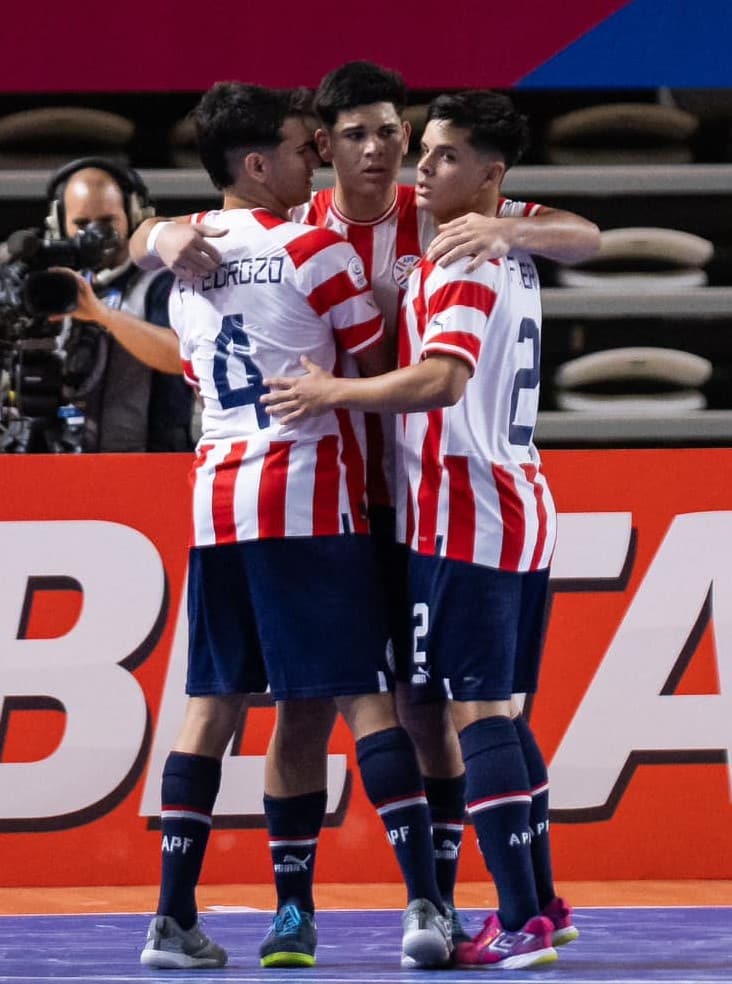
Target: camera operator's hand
89, 307
154, 346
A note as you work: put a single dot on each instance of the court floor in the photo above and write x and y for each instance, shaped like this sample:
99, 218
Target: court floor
673, 933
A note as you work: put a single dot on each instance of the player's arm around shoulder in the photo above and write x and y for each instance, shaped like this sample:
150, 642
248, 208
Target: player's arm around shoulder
178, 244
556, 234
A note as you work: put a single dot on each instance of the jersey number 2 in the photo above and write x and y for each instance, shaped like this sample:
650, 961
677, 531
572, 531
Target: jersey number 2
528, 379
233, 342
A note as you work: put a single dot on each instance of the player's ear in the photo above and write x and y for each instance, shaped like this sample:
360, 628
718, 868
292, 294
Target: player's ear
406, 134
255, 166
495, 172
322, 142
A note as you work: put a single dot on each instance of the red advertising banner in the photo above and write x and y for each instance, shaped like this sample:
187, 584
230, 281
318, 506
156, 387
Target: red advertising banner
633, 710
158, 47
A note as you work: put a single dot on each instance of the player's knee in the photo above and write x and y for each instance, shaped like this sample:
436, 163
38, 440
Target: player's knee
467, 712
367, 713
209, 723
304, 722
433, 733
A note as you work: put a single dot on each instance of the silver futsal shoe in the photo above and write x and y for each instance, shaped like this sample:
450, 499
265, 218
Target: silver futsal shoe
171, 948
426, 937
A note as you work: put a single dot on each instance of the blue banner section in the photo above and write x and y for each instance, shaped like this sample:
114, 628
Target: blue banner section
649, 43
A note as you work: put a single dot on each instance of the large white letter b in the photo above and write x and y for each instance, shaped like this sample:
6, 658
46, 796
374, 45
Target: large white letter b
123, 581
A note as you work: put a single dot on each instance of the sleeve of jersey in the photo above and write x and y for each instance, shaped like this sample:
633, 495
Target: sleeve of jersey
177, 323
457, 315
518, 210
333, 280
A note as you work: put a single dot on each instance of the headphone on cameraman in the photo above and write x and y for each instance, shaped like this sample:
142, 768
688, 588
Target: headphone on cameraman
138, 206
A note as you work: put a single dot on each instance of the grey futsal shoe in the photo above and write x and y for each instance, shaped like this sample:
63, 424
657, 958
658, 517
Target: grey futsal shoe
426, 937
171, 948
457, 931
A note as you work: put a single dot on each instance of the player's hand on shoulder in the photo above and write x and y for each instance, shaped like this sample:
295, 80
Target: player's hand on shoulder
295, 398
478, 236
185, 248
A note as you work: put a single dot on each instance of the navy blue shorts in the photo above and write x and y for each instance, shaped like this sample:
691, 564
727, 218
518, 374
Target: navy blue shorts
479, 629
302, 614
392, 559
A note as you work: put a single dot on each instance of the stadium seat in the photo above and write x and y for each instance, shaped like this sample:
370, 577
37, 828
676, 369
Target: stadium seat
182, 148
635, 380
622, 133
647, 258
47, 137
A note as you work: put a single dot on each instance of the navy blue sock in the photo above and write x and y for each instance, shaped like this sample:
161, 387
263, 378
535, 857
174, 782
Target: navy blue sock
499, 803
539, 780
190, 786
393, 783
294, 824
446, 801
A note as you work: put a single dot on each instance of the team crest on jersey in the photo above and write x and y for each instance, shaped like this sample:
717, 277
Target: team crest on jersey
356, 272
403, 266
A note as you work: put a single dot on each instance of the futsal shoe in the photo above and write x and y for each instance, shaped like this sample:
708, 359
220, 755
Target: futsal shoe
426, 936
495, 948
559, 914
291, 940
169, 947
458, 933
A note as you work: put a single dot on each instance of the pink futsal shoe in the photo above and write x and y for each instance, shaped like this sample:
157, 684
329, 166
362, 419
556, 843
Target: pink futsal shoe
495, 948
559, 914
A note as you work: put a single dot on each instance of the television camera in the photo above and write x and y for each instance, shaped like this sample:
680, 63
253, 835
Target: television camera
47, 363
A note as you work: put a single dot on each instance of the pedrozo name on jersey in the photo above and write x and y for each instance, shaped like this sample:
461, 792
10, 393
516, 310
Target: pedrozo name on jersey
248, 270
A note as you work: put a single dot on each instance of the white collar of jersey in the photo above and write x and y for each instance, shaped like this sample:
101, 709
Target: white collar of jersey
371, 222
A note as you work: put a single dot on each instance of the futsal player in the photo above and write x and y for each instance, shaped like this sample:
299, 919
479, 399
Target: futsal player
362, 134
474, 510
282, 585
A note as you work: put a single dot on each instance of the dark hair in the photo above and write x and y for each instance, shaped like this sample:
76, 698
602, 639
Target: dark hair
358, 83
235, 115
491, 119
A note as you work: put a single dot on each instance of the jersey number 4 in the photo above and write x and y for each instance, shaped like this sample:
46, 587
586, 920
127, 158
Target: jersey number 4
232, 342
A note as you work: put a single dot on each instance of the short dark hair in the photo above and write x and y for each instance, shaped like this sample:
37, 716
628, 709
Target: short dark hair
358, 83
236, 115
490, 118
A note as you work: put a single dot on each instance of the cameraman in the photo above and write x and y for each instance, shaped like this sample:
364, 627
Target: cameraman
135, 398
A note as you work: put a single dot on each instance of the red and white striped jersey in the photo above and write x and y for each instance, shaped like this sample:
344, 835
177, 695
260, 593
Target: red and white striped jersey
280, 290
390, 247
470, 485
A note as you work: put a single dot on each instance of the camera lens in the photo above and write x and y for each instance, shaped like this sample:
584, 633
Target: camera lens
50, 292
